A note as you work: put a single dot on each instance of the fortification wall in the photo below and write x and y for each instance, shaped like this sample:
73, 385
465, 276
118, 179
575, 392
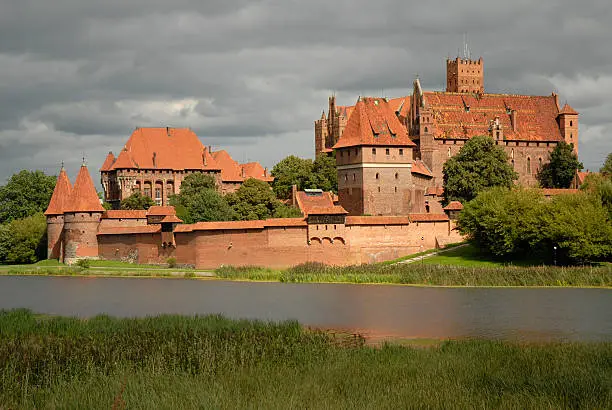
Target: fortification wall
280, 246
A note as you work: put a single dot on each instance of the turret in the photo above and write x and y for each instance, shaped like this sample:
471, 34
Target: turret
55, 215
81, 219
568, 125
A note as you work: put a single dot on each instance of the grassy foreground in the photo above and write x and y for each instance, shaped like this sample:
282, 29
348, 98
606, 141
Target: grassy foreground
195, 362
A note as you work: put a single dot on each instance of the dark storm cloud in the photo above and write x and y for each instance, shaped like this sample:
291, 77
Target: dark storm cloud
76, 76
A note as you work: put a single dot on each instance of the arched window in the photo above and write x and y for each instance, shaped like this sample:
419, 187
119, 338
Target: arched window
571, 123
512, 154
426, 130
396, 175
346, 177
353, 177
528, 165
449, 152
377, 176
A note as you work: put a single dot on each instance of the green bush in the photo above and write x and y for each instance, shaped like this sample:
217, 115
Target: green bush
24, 240
171, 262
83, 263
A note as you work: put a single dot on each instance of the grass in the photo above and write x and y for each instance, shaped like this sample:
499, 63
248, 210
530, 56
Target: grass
430, 275
212, 362
472, 256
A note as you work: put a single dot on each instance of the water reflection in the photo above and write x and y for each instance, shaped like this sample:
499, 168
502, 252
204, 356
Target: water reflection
517, 314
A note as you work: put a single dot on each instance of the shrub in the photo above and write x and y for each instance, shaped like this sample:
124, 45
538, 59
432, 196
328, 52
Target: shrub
83, 263
171, 262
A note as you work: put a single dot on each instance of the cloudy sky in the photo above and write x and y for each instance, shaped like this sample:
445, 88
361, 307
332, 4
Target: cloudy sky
251, 76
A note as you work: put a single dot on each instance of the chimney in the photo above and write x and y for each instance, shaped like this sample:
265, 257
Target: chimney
294, 195
154, 159
204, 158
168, 131
242, 172
513, 120
210, 149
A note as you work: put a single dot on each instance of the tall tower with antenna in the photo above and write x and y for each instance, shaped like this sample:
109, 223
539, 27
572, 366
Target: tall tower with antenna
464, 75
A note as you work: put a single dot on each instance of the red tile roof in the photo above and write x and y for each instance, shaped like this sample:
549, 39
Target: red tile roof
124, 214
61, 195
373, 122
454, 206
171, 218
377, 220
558, 191
257, 171
419, 167
165, 148
282, 222
345, 110
568, 110
435, 191
230, 169
108, 162
225, 225
161, 211
401, 106
536, 116
84, 197
318, 203
122, 230
429, 217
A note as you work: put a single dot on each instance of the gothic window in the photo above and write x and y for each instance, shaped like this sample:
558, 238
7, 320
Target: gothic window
571, 123
396, 175
353, 176
373, 151
395, 189
401, 151
571, 136
512, 153
387, 151
158, 196
426, 130
377, 176
449, 152
378, 189
346, 177
528, 165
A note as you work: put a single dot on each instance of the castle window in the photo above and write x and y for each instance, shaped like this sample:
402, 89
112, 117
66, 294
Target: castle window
353, 177
571, 123
387, 151
395, 189
401, 151
512, 153
426, 130
449, 152
571, 136
346, 177
528, 165
378, 189
377, 176
373, 151
396, 175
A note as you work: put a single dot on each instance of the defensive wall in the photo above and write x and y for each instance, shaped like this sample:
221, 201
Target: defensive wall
277, 242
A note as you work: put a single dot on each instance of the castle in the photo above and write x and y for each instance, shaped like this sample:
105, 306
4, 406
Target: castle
391, 152
154, 162
79, 228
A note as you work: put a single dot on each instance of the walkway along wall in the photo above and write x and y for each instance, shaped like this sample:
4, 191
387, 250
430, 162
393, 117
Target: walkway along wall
280, 242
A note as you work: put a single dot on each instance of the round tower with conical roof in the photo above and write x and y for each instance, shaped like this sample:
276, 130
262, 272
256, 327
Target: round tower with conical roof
82, 219
55, 215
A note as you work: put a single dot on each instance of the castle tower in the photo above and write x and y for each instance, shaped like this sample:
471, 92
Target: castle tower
321, 134
55, 215
81, 219
568, 125
374, 161
464, 75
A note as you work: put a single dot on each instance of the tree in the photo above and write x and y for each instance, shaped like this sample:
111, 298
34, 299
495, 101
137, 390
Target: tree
24, 240
253, 200
504, 221
196, 182
560, 171
137, 201
199, 200
580, 227
600, 186
480, 164
25, 194
291, 171
203, 206
607, 166
324, 174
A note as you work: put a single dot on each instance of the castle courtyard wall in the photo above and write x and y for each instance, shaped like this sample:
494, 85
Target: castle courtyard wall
281, 246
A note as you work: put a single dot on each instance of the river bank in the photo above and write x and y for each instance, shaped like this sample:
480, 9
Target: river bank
188, 362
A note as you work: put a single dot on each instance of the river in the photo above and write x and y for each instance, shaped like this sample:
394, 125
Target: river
526, 314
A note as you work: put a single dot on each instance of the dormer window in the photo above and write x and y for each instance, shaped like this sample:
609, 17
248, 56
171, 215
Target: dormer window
467, 108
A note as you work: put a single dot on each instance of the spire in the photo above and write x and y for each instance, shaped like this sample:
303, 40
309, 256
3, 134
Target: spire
61, 194
84, 197
108, 162
568, 110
